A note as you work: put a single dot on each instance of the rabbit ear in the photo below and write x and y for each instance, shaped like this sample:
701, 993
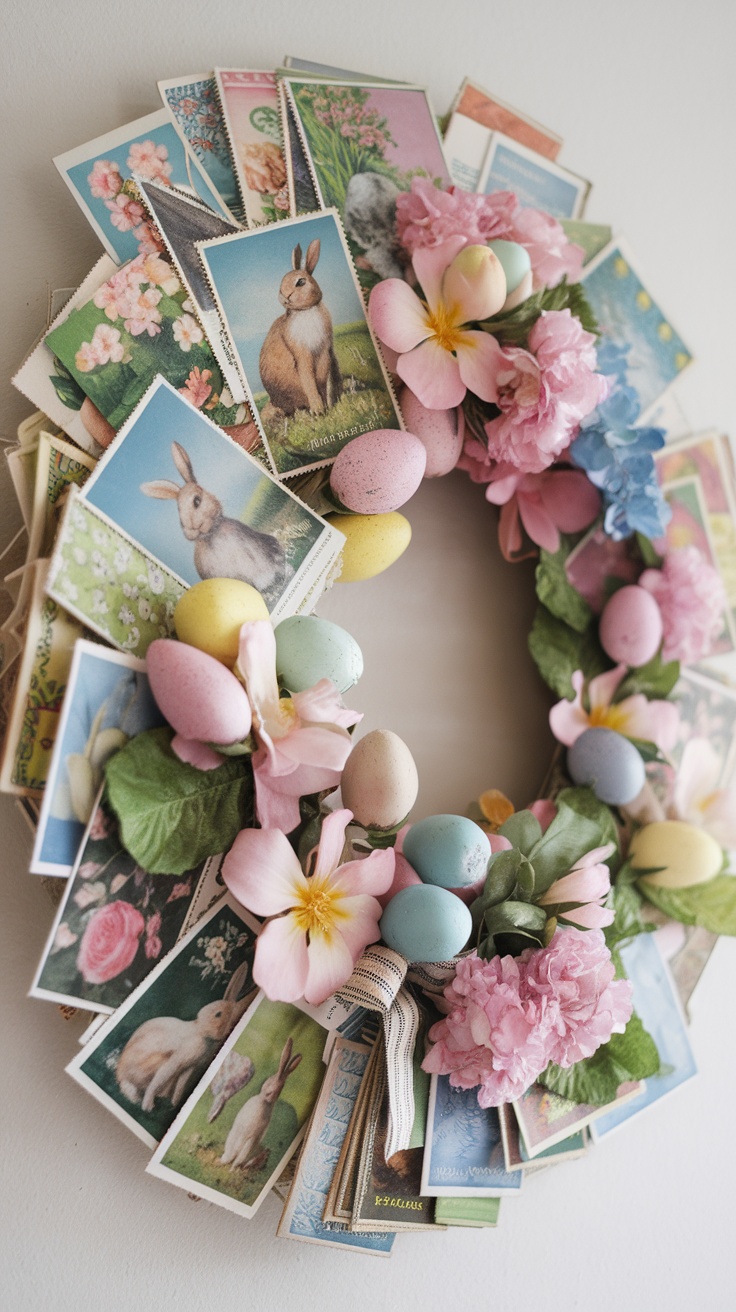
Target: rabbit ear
285, 1057
162, 489
293, 1064
236, 982
296, 257
183, 463
312, 255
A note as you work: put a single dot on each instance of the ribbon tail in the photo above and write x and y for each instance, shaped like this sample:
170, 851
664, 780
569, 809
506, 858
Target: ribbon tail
400, 1029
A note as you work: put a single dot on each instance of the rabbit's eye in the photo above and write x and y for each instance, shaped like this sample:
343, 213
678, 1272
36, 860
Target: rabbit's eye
197, 502
300, 282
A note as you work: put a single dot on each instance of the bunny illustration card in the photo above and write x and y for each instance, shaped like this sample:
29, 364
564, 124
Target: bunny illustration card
145, 1060
290, 300
234, 1135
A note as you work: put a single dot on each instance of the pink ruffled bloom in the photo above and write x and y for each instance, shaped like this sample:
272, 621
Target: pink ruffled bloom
426, 216
105, 180
634, 717
545, 505
692, 599
438, 357
323, 923
574, 980
583, 891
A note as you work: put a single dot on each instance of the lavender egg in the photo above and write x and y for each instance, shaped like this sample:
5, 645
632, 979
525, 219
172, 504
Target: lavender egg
441, 432
196, 694
379, 471
609, 764
630, 627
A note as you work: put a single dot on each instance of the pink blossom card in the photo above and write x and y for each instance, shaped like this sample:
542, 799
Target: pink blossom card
250, 107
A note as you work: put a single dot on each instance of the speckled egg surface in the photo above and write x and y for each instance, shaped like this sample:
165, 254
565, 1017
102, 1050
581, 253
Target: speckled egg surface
309, 649
372, 543
196, 694
440, 431
426, 923
448, 850
630, 626
685, 854
380, 782
609, 764
210, 615
378, 471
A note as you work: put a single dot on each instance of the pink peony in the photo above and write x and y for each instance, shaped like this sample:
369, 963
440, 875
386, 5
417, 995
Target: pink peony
547, 504
692, 599
109, 942
574, 980
105, 180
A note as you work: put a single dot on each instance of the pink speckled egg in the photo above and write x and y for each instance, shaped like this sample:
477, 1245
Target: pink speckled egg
378, 471
630, 627
441, 431
196, 694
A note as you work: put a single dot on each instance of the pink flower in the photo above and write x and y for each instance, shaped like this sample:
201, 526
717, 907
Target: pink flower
438, 357
197, 388
125, 212
182, 889
546, 504
553, 257
142, 314
322, 923
86, 358
160, 273
88, 870
187, 332
573, 979
692, 599
109, 942
107, 344
583, 891
634, 717
699, 798
105, 180
149, 161
63, 938
100, 827
153, 945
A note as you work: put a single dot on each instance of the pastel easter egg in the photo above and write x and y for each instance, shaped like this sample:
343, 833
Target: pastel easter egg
426, 923
380, 782
378, 471
609, 764
405, 876
309, 649
372, 543
210, 615
682, 854
630, 626
448, 850
514, 259
440, 431
196, 694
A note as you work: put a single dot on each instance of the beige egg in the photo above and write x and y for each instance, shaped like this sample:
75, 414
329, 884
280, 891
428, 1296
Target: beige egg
372, 543
681, 853
380, 781
210, 614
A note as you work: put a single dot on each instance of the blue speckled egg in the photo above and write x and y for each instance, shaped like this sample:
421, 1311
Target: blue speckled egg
609, 764
514, 260
425, 923
448, 850
309, 649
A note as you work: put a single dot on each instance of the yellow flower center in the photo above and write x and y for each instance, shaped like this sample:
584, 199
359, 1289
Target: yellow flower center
609, 717
317, 908
445, 328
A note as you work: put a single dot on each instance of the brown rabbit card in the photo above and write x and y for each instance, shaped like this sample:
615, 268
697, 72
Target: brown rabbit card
290, 300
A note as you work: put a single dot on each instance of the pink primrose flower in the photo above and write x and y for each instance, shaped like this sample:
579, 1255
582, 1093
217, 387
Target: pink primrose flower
143, 316
322, 923
546, 504
573, 981
692, 599
586, 887
187, 332
105, 180
634, 717
700, 798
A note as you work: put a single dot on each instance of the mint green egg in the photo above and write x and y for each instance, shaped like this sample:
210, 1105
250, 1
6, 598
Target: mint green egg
448, 850
309, 649
425, 923
514, 261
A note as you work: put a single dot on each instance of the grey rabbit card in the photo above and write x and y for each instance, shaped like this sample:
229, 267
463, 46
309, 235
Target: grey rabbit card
289, 297
147, 1057
233, 1137
193, 502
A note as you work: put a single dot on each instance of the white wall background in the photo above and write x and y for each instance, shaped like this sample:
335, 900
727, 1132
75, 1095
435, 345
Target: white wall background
643, 94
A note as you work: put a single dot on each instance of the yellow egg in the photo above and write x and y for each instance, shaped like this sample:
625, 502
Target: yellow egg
210, 614
686, 854
372, 543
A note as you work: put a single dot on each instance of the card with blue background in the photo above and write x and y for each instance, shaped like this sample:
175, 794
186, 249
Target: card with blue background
463, 1152
533, 180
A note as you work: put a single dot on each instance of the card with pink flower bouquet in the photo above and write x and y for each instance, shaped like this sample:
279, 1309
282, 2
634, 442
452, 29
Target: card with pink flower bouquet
546, 1119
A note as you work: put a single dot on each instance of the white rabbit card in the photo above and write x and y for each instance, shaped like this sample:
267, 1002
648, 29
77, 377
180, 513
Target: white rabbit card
184, 502
289, 297
231, 1141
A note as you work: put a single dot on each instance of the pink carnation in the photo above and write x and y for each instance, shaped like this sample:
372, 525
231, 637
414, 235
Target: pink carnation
574, 979
690, 594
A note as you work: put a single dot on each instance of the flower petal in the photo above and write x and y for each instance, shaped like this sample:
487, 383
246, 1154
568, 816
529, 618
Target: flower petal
581, 885
257, 665
538, 522
320, 745
195, 753
262, 871
570, 499
653, 721
361, 927
479, 358
602, 688
323, 704
430, 263
372, 874
433, 374
277, 799
398, 317
590, 917
330, 965
281, 963
331, 842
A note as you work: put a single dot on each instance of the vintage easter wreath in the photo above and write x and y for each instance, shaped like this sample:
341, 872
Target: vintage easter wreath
492, 940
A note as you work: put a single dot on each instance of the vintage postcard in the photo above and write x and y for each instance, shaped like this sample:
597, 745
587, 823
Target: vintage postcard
657, 1004
300, 187
58, 465
364, 143
707, 710
690, 526
232, 1139
473, 1213
199, 505
466, 145
143, 1063
291, 303
592, 237
182, 221
329, 72
107, 701
463, 1152
629, 316
476, 103
545, 1119
40, 684
518, 1159
197, 113
707, 456
99, 173
114, 922
389, 1195
45, 381
302, 1216
340, 1198
535, 181
250, 107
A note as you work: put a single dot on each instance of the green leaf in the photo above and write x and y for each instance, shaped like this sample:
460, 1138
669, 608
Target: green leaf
711, 905
503, 870
655, 679
523, 830
509, 916
627, 904
172, 816
513, 328
626, 1057
555, 591
68, 392
584, 802
570, 835
647, 751
649, 555
558, 651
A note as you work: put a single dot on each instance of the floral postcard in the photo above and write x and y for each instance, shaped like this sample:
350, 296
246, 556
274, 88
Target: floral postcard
707, 456
477, 104
144, 1061
291, 303
518, 1159
657, 1003
114, 923
546, 1119
302, 1216
196, 110
707, 710
199, 505
536, 181
630, 317
107, 701
388, 1194
250, 108
591, 236
99, 174
242, 1123
364, 143
58, 465
690, 525
463, 1150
